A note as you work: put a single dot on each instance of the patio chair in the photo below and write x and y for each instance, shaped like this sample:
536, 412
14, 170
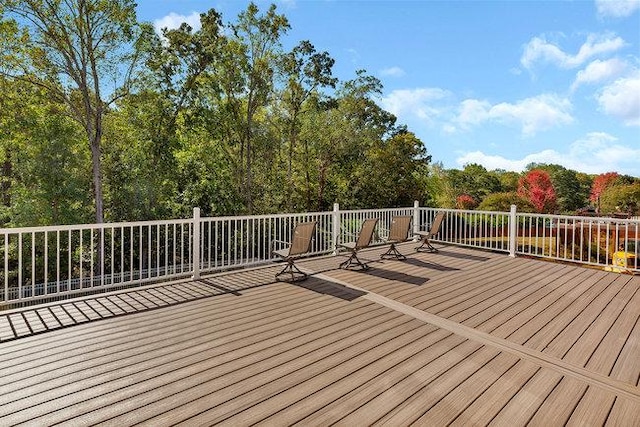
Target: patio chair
399, 232
426, 235
364, 239
300, 245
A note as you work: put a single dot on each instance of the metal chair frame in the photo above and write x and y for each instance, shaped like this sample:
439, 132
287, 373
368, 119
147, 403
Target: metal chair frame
300, 244
399, 232
364, 239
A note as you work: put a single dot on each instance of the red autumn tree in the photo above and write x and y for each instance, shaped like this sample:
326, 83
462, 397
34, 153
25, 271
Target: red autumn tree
465, 201
600, 183
537, 188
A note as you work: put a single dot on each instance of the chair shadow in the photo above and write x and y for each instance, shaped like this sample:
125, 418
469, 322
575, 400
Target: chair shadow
431, 265
331, 289
394, 275
463, 256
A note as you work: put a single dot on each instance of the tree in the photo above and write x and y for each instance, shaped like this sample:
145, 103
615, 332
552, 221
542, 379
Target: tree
440, 191
600, 183
389, 175
306, 71
474, 180
179, 100
84, 53
339, 135
508, 179
569, 192
621, 199
466, 202
259, 39
181, 64
502, 202
37, 142
536, 187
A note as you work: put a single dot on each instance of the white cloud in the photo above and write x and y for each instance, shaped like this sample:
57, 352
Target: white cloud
498, 162
532, 114
290, 4
174, 20
540, 50
392, 72
617, 8
599, 71
598, 152
473, 112
354, 55
622, 99
415, 102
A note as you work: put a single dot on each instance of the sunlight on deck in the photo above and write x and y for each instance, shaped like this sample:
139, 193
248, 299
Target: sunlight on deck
458, 337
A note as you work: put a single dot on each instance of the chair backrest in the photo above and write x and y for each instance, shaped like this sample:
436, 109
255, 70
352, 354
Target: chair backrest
302, 235
366, 233
400, 226
435, 225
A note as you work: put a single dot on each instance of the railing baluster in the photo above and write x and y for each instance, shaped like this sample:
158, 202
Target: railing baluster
46, 263
6, 267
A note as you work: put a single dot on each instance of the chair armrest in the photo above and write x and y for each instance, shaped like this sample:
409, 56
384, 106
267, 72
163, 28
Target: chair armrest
273, 244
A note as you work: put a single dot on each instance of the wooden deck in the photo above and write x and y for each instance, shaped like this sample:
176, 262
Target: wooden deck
460, 337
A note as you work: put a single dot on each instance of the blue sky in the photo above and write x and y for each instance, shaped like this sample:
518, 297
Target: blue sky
500, 83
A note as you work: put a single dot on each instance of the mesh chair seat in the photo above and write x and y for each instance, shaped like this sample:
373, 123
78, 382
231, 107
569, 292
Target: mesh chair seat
300, 244
399, 232
426, 245
364, 239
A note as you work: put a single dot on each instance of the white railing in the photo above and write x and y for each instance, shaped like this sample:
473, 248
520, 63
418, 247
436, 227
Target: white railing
477, 229
606, 242
45, 262
40, 262
595, 241
227, 242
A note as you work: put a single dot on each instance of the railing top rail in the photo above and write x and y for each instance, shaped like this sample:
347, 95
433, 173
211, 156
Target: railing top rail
368, 211
590, 219
265, 216
465, 211
106, 225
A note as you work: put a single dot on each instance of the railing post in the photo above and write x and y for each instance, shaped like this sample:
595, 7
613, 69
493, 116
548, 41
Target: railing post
336, 227
416, 219
513, 231
195, 254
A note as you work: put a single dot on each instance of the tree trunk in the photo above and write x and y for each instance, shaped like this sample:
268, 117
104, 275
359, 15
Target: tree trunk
322, 179
7, 172
97, 177
307, 175
248, 183
292, 143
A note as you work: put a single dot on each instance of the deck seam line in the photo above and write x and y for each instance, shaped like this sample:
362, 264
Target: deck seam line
539, 358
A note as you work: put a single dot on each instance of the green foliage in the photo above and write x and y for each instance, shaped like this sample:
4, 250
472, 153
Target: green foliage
44, 164
389, 175
220, 117
621, 199
84, 54
502, 202
440, 191
508, 180
475, 181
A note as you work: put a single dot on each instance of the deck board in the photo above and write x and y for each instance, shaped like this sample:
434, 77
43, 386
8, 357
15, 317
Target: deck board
238, 348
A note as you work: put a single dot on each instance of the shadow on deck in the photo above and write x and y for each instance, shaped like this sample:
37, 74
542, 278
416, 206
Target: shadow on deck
458, 337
